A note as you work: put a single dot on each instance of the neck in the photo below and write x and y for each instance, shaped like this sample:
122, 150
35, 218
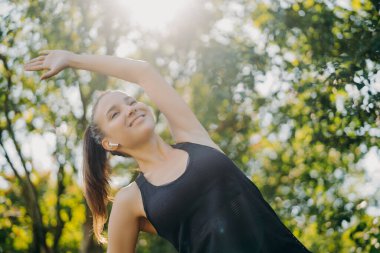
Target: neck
151, 153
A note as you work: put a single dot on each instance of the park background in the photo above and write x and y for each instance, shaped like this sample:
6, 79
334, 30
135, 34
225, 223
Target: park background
289, 90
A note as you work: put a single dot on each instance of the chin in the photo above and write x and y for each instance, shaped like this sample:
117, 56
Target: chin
145, 128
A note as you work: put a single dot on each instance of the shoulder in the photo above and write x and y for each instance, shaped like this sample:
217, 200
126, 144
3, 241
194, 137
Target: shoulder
126, 198
124, 208
128, 193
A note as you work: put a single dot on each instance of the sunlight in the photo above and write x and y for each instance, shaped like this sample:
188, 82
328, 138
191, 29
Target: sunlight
153, 14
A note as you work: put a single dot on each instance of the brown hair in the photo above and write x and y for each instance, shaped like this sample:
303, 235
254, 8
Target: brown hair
96, 174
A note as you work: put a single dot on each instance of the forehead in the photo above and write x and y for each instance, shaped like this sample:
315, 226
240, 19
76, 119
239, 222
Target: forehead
106, 102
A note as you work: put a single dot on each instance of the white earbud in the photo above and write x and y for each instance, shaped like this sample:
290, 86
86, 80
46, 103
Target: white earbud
113, 144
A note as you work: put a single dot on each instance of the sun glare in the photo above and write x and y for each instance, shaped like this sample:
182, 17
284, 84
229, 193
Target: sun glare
153, 14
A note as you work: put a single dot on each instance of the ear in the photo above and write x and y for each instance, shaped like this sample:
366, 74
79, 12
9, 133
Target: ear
106, 146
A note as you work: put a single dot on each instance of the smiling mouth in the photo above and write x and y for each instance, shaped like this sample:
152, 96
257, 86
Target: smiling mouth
142, 115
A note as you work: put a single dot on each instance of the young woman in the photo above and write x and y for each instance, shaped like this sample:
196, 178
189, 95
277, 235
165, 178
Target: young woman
189, 193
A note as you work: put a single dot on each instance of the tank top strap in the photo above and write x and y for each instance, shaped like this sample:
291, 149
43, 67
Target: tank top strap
140, 180
146, 190
183, 145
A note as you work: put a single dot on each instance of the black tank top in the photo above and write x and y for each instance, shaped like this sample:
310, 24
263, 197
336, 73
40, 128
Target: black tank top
213, 207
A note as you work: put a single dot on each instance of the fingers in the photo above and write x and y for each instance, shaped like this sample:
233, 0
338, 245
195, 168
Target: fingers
36, 65
48, 74
33, 68
39, 58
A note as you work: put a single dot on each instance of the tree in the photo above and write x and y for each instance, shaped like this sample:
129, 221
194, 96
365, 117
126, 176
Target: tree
287, 89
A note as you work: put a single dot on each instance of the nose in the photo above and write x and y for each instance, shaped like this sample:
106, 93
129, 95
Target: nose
130, 111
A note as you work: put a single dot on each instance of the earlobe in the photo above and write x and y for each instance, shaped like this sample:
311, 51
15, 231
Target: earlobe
105, 144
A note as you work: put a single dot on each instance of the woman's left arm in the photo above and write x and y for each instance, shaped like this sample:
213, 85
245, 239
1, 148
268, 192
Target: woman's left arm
56, 60
183, 124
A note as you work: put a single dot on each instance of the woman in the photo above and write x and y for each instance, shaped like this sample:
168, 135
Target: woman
189, 193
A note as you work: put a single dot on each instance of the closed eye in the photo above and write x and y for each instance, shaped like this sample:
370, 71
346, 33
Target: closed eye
132, 102
114, 115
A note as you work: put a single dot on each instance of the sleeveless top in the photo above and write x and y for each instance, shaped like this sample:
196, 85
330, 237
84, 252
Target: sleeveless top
213, 207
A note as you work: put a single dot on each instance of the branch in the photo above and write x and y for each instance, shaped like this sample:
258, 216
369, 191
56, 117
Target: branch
30, 192
10, 162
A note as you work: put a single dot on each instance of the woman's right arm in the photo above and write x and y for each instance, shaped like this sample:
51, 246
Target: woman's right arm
123, 225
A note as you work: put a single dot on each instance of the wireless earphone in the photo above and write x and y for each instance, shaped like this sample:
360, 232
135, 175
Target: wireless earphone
113, 144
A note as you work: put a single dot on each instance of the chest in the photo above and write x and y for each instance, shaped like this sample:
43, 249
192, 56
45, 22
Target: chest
209, 177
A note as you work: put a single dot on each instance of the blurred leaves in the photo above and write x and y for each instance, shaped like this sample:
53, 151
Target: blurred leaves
290, 93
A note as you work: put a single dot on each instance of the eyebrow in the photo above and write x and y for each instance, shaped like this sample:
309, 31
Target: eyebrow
126, 99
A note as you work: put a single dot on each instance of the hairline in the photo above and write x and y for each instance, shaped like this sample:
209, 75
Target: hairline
98, 100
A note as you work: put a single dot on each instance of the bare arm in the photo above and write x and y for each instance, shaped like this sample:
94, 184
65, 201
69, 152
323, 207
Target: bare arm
56, 60
183, 124
123, 68
123, 226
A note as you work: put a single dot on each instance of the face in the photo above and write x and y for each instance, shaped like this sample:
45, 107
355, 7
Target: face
123, 120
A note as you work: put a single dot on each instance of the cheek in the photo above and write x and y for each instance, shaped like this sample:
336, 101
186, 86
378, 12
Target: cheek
150, 111
117, 122
116, 126
148, 125
148, 122
150, 117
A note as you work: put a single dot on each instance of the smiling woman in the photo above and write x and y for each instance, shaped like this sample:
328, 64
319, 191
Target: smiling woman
190, 193
153, 14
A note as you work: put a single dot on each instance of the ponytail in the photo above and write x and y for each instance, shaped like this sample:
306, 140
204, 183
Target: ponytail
96, 176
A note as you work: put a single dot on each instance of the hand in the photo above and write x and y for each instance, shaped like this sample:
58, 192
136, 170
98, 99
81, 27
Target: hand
52, 60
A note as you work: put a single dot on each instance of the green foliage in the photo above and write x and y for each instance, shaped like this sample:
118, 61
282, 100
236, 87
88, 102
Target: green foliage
300, 141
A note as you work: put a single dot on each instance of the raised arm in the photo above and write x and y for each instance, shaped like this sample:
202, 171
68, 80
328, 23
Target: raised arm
183, 124
56, 60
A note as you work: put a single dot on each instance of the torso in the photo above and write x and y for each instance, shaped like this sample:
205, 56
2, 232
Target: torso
179, 166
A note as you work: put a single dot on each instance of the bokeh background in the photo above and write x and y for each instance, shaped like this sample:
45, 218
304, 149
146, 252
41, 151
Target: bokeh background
289, 89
